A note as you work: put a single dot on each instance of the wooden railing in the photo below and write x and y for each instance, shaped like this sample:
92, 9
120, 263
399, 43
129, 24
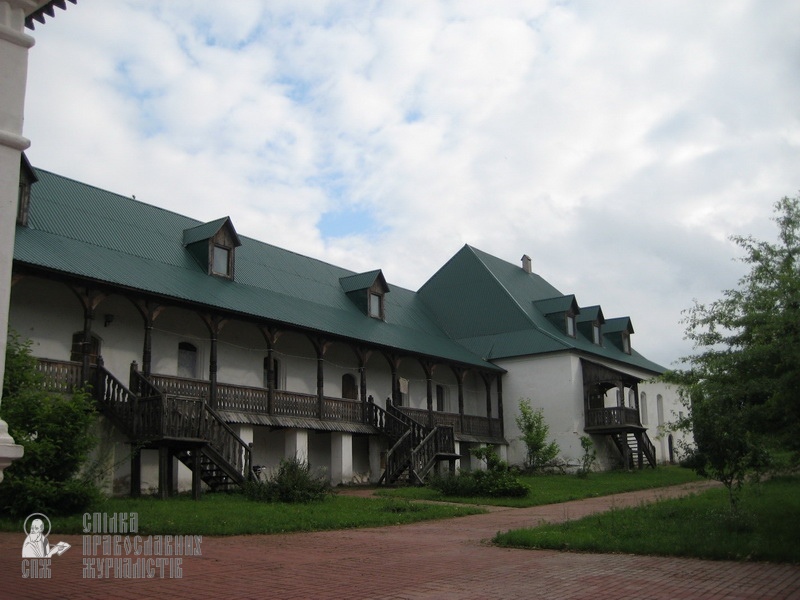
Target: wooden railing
466, 424
59, 375
440, 440
380, 419
610, 417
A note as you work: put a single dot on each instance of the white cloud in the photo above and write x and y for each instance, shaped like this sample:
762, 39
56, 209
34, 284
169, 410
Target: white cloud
619, 144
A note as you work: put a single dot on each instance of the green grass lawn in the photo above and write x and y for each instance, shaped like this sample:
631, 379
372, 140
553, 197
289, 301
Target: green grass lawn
233, 514
552, 489
695, 526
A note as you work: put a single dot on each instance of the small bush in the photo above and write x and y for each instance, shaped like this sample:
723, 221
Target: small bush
497, 481
292, 483
55, 430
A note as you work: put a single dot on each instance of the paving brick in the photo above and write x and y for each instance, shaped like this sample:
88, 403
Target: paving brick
435, 560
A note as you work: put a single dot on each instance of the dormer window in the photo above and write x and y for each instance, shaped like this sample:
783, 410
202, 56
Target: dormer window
626, 342
221, 261
562, 312
570, 324
26, 178
376, 305
618, 331
213, 245
596, 333
367, 291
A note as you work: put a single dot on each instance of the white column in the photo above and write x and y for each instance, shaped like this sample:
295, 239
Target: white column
502, 451
341, 458
14, 46
475, 463
375, 449
295, 444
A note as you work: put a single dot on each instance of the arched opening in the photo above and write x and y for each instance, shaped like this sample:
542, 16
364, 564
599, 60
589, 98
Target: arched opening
187, 360
76, 352
349, 387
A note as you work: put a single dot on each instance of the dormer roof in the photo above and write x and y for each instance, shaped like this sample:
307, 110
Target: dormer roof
364, 281
209, 230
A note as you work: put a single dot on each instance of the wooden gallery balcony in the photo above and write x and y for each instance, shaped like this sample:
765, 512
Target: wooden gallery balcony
255, 405
617, 418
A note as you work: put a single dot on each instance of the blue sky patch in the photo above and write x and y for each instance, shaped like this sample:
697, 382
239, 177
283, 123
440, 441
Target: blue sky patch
348, 221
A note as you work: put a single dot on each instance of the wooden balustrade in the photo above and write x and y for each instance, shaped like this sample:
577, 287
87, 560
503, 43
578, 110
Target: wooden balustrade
59, 375
612, 417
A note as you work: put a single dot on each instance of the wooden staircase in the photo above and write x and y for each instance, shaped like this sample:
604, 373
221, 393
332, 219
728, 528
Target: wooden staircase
634, 447
415, 449
187, 427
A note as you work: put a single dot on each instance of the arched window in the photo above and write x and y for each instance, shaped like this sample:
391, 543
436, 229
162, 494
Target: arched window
643, 407
660, 409
76, 353
349, 388
187, 360
441, 398
276, 373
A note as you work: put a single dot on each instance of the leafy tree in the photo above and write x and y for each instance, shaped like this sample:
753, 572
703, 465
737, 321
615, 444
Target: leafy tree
741, 384
534, 431
55, 431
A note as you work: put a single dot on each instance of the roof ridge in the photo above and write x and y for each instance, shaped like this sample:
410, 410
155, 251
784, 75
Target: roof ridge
513, 299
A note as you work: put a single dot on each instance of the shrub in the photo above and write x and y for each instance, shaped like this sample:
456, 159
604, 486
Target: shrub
534, 431
55, 430
292, 483
497, 481
589, 456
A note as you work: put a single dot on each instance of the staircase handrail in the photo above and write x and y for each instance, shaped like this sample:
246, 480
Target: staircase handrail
419, 431
439, 441
227, 443
398, 458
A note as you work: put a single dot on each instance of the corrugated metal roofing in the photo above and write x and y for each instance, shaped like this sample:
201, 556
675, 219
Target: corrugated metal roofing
359, 281
498, 310
82, 230
207, 230
476, 308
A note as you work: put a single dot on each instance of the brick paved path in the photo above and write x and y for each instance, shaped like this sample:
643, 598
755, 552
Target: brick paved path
441, 560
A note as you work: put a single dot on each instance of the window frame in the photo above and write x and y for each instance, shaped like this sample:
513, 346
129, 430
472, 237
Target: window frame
216, 249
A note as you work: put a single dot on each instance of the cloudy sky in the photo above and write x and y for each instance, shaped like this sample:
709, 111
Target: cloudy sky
619, 144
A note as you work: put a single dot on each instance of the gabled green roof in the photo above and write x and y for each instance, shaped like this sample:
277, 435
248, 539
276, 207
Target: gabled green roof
363, 281
209, 230
94, 234
617, 325
499, 310
591, 313
560, 304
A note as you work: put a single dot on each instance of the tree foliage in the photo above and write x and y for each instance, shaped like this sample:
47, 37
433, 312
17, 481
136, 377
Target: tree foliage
534, 432
741, 384
55, 431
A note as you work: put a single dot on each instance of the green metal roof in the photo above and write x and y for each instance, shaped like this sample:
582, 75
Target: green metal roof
209, 230
499, 310
476, 308
90, 233
362, 281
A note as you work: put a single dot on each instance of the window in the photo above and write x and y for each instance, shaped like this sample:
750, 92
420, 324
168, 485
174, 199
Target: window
349, 388
626, 342
76, 353
570, 325
221, 261
375, 305
596, 333
187, 360
440, 398
643, 407
276, 367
